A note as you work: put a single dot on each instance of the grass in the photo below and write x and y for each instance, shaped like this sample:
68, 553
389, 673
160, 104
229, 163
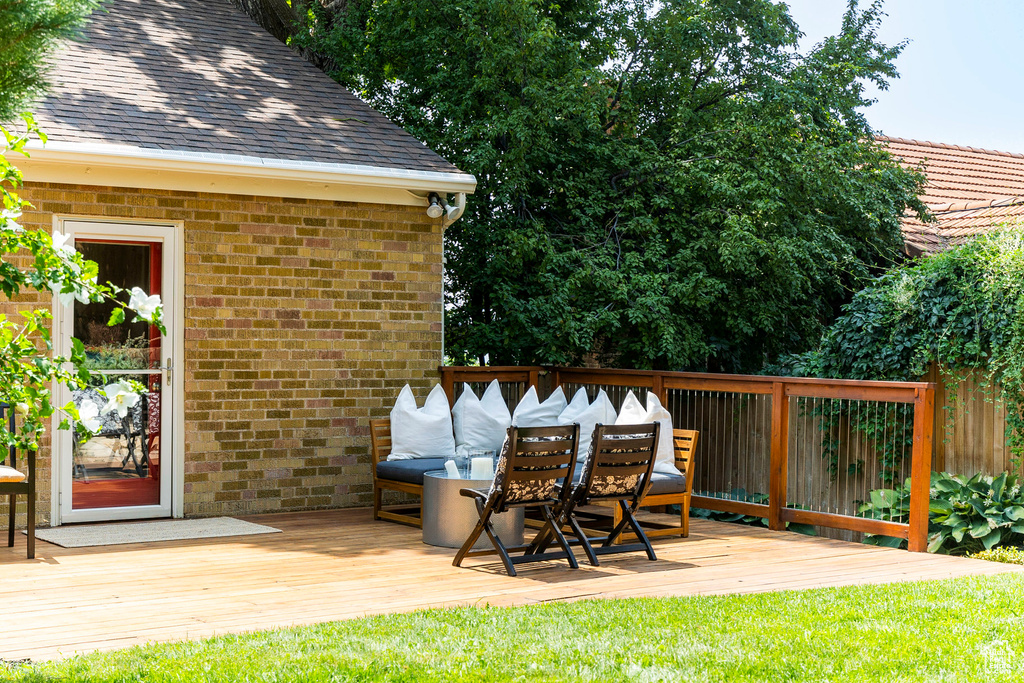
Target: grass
956, 630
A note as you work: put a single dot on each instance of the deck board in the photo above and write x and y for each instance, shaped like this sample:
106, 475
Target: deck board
340, 564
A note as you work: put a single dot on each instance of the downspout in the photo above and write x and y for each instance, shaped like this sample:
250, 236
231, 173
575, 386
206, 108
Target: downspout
452, 214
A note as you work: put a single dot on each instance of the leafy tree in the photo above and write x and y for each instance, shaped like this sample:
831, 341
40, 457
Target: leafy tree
661, 184
30, 31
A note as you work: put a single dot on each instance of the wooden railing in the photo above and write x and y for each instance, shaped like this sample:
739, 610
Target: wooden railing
768, 431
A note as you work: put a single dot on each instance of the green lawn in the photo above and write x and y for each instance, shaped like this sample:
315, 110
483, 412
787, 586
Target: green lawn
958, 630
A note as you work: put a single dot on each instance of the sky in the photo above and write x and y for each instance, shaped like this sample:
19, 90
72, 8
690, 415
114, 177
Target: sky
961, 79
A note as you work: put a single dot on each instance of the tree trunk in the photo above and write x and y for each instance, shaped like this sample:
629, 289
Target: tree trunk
273, 15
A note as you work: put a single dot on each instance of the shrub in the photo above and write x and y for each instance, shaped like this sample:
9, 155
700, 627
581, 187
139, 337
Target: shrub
965, 516
1007, 554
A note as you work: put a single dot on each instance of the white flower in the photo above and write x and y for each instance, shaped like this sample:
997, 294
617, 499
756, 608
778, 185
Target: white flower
120, 397
88, 416
144, 305
83, 295
21, 408
60, 244
9, 221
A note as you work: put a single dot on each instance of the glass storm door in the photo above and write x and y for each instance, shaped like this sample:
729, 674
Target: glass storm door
122, 472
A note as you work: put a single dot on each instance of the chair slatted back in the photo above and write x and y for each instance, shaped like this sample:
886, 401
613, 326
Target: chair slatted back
684, 441
380, 440
620, 462
533, 464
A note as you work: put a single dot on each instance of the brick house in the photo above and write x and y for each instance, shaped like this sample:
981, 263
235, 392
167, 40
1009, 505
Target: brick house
969, 191
283, 222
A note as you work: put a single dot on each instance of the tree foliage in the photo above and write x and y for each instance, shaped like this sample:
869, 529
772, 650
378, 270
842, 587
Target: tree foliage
29, 34
661, 184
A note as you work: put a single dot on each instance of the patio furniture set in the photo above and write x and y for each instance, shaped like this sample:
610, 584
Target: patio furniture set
558, 461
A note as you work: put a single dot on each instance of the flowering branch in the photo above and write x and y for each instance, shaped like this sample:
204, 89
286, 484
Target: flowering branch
28, 364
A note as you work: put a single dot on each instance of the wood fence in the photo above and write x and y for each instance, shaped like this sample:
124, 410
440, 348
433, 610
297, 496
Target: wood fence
970, 427
786, 449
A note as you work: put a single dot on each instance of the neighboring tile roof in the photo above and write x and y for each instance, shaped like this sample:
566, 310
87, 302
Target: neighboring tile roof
969, 191
201, 76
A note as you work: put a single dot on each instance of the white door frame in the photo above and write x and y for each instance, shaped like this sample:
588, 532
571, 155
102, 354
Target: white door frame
171, 233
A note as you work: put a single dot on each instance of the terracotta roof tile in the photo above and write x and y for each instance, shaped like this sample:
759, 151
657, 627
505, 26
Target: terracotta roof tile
200, 76
969, 191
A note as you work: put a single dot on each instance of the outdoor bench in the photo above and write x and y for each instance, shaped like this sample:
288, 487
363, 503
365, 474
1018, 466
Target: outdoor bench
407, 476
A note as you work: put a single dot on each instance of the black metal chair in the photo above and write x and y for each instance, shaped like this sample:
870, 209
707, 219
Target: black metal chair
535, 469
617, 472
14, 483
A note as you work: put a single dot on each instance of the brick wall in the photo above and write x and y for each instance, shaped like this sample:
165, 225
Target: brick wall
303, 319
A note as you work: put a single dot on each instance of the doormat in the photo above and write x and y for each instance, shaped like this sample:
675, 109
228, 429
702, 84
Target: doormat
150, 532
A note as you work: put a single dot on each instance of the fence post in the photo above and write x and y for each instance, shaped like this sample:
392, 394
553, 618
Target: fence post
658, 387
777, 475
921, 469
448, 383
556, 379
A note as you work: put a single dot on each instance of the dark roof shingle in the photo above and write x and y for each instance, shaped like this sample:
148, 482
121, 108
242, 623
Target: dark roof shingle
198, 76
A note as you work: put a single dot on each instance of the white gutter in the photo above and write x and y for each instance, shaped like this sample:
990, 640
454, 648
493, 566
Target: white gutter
238, 166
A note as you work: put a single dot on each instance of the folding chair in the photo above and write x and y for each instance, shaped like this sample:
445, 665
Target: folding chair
617, 471
535, 469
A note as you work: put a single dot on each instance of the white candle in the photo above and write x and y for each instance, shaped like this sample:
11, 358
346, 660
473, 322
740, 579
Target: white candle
452, 470
481, 468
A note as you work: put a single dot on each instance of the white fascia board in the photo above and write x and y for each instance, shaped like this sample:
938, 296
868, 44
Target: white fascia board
155, 166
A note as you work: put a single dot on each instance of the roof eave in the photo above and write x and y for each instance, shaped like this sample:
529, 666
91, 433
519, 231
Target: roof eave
127, 166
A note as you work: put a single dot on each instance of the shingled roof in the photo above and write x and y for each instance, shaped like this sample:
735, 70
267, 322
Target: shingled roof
200, 76
969, 191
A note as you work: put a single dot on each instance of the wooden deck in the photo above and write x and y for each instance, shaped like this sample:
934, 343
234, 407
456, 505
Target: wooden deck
340, 564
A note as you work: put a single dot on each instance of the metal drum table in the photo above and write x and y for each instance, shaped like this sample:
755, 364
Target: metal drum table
449, 518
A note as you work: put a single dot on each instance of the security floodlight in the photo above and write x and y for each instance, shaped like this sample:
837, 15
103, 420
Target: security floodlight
435, 210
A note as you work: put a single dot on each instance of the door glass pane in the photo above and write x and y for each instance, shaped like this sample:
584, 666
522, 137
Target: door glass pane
128, 346
120, 465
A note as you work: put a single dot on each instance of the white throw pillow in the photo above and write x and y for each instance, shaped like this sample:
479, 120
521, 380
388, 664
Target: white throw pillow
633, 413
480, 423
421, 432
532, 413
588, 415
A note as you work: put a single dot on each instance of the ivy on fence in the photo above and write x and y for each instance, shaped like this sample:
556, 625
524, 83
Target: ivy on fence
962, 309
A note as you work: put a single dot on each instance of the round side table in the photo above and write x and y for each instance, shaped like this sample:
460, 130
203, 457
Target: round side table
449, 518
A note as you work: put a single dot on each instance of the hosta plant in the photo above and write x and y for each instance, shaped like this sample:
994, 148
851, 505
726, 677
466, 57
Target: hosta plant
964, 515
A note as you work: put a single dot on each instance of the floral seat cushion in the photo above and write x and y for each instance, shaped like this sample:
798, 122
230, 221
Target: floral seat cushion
9, 475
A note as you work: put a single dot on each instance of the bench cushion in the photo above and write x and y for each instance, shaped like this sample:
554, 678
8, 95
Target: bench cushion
662, 483
408, 471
